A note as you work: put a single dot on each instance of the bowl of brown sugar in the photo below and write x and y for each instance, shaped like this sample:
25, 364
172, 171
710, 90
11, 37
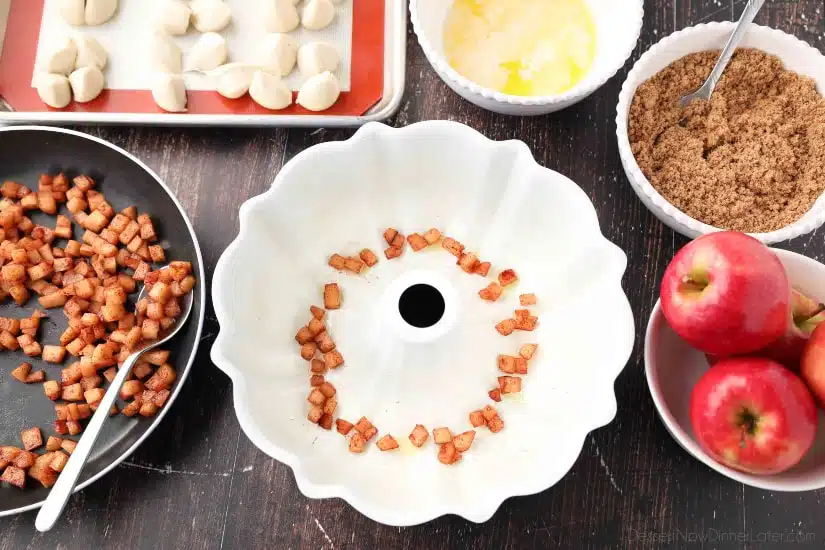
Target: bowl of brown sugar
751, 159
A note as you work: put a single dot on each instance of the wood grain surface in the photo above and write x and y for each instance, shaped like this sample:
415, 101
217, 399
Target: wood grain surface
199, 483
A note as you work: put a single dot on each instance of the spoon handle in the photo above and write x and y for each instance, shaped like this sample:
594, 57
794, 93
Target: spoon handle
63, 488
747, 17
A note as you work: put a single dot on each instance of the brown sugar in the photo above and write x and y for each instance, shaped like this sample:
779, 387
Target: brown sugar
751, 159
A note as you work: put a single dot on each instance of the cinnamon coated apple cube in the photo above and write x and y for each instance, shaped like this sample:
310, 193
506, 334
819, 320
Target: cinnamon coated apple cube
35, 377
509, 384
416, 242
343, 426
304, 335
419, 435
315, 414
72, 392
316, 380
489, 412
317, 366
442, 435
491, 292
387, 443
357, 443
308, 350
393, 252
368, 257
432, 236
316, 326
54, 354
333, 359
528, 323
482, 268
332, 296
452, 246
324, 342
336, 261
398, 241
467, 262
52, 389
527, 299
21, 372
521, 365
317, 312
495, 394
389, 235
68, 445
14, 476
506, 327
148, 409
464, 441
528, 350
507, 364
354, 264
315, 397
496, 424
329, 406
53, 443
58, 461
507, 277
32, 438
365, 428
448, 454
477, 419
327, 389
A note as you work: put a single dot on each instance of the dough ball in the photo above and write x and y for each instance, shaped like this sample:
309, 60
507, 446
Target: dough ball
234, 79
61, 57
210, 15
73, 11
316, 58
209, 52
317, 14
99, 11
281, 16
87, 83
280, 51
269, 91
165, 54
319, 92
54, 89
169, 92
90, 53
173, 17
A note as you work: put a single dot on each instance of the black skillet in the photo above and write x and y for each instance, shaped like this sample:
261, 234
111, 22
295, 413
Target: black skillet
25, 153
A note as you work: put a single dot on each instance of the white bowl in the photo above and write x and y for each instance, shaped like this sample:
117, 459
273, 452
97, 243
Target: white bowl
492, 196
797, 56
672, 368
618, 25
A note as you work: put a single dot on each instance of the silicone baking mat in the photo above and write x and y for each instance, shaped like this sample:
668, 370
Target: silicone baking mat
32, 25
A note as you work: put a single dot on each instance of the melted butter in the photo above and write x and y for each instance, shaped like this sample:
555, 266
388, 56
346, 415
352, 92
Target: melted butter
521, 47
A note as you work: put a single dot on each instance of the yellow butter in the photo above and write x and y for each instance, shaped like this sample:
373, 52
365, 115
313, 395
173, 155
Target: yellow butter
521, 47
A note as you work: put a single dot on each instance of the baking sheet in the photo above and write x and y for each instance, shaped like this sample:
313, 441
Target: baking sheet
130, 67
375, 57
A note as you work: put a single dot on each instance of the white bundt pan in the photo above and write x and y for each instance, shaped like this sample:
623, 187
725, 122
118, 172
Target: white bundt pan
493, 197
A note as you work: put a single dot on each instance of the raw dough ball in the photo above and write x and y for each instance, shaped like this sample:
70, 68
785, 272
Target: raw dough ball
90, 53
280, 52
99, 11
54, 89
317, 14
173, 17
319, 92
73, 11
281, 16
169, 92
269, 91
210, 15
87, 83
209, 52
61, 58
234, 79
316, 58
165, 54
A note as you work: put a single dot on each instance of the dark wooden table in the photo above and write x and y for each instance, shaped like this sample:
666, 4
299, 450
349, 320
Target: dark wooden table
199, 483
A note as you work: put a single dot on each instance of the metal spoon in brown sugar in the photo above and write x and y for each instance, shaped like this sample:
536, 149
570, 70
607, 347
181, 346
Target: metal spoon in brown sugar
64, 487
745, 20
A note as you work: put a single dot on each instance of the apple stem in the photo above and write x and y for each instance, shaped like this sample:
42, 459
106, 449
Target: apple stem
819, 310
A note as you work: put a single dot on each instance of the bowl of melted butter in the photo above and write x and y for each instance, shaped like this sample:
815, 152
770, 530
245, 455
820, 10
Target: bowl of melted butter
526, 57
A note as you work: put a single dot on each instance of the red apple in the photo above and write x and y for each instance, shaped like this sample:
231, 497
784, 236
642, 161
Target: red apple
726, 294
753, 414
813, 364
806, 315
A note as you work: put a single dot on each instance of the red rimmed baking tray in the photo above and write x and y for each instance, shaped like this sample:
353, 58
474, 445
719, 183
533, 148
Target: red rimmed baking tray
370, 34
